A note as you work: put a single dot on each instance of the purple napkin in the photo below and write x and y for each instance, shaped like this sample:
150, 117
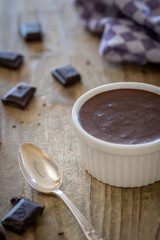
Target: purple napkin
129, 29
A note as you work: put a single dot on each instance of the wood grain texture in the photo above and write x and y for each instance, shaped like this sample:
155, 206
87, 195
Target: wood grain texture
116, 213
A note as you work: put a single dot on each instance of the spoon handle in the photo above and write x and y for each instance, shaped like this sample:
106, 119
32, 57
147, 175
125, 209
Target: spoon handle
87, 228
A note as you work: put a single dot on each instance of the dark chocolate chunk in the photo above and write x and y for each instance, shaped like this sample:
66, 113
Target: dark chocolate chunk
61, 233
2, 235
10, 60
31, 31
15, 200
66, 75
19, 96
22, 215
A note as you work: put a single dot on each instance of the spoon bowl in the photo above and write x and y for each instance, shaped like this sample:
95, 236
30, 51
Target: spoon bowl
38, 168
43, 174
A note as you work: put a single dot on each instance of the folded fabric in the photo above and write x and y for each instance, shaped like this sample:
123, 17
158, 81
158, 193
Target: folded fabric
129, 29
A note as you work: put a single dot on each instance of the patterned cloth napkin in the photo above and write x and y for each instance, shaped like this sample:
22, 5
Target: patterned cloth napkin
129, 29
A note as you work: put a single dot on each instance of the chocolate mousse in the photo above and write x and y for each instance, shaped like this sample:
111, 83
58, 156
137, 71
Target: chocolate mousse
124, 116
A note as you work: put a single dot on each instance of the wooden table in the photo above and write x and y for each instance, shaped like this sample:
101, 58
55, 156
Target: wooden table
116, 213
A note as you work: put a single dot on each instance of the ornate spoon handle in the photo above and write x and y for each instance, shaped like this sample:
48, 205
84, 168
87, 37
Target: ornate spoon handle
87, 228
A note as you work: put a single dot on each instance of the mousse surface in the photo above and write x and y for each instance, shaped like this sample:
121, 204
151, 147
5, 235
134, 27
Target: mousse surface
125, 116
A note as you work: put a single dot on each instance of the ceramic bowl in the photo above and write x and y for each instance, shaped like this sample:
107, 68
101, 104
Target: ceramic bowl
121, 165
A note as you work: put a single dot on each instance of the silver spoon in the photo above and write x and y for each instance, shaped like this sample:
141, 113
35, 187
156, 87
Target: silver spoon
43, 174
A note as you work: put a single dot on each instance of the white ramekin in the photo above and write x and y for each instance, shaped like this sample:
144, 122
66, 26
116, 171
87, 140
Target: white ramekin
122, 165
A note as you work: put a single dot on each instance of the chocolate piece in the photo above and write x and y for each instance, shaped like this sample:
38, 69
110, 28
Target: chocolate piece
19, 96
31, 31
66, 75
15, 200
2, 235
10, 60
22, 215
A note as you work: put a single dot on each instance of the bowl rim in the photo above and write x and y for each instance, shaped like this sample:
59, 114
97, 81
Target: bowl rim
116, 148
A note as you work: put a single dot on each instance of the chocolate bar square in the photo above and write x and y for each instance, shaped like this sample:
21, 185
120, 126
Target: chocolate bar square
22, 215
10, 60
31, 31
19, 96
15, 200
66, 75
